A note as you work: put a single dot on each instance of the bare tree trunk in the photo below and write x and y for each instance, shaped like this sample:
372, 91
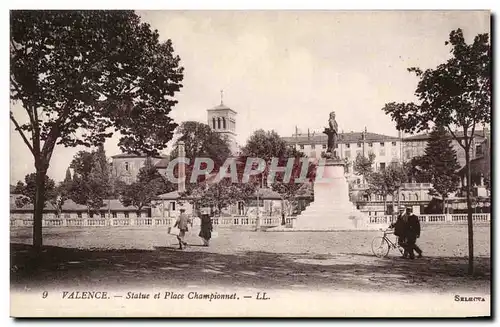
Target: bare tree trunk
385, 205
393, 205
283, 215
470, 230
38, 208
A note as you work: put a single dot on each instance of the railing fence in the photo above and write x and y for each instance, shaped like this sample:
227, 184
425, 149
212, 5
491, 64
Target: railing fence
229, 221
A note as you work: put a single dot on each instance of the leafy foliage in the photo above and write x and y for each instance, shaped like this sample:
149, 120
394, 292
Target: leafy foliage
91, 182
266, 145
149, 184
364, 166
456, 94
441, 163
27, 190
223, 193
82, 75
200, 141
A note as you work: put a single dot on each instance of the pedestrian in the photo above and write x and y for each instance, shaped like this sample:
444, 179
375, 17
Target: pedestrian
182, 223
412, 233
206, 227
400, 226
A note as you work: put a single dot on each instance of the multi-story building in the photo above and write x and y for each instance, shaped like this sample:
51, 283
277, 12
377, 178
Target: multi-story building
125, 167
414, 146
386, 148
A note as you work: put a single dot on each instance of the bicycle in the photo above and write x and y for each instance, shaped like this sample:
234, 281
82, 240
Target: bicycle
382, 244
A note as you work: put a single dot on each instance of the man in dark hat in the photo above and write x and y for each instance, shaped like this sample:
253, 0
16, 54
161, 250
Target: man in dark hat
412, 233
182, 223
400, 228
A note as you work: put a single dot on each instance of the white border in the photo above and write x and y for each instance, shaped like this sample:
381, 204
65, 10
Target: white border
181, 4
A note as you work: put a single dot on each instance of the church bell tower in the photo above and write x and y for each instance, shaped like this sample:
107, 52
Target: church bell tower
222, 120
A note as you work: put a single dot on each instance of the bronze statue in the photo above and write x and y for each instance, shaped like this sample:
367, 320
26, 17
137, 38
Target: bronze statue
332, 132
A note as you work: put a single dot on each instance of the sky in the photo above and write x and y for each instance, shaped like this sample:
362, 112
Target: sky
285, 69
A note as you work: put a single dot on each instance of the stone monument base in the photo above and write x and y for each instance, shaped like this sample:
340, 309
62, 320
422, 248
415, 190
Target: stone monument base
331, 210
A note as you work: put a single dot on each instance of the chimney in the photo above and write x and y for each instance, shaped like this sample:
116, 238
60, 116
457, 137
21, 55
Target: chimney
181, 187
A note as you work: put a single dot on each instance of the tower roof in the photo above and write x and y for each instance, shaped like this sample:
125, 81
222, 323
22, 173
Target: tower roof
221, 107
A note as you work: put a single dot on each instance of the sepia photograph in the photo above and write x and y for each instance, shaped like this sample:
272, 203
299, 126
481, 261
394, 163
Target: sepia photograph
250, 163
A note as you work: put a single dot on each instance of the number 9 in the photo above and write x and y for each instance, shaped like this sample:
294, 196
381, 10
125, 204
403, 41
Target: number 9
44, 294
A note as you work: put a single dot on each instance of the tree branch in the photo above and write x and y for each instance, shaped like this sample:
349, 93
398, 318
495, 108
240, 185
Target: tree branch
455, 137
25, 139
25, 105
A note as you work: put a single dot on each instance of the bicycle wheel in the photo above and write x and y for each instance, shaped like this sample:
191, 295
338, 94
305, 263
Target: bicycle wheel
380, 247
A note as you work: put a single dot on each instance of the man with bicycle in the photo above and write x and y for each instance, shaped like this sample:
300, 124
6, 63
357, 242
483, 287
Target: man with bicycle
412, 233
400, 226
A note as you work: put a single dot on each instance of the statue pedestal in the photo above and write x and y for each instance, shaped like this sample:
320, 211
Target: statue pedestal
331, 209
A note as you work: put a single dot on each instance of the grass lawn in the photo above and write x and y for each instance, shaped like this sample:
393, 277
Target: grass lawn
303, 260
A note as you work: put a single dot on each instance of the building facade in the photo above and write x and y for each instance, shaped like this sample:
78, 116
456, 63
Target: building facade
125, 167
386, 148
414, 146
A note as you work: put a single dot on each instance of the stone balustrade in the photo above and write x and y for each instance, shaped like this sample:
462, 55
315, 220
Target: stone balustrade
231, 221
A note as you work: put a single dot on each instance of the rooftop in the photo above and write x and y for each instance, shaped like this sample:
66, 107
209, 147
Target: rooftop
426, 136
70, 205
351, 137
132, 155
222, 107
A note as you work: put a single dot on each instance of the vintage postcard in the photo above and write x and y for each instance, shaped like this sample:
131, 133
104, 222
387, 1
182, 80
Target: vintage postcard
250, 163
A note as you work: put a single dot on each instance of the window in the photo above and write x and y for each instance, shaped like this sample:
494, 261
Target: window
213, 122
313, 146
347, 145
393, 143
382, 166
478, 150
125, 214
223, 122
382, 143
324, 146
359, 145
126, 166
172, 205
370, 144
348, 154
358, 153
79, 215
382, 152
114, 215
103, 214
218, 123
301, 146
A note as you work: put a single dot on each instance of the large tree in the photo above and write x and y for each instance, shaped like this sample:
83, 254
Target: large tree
27, 190
387, 182
221, 194
91, 184
364, 165
266, 145
149, 184
201, 142
291, 189
457, 95
81, 75
441, 164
